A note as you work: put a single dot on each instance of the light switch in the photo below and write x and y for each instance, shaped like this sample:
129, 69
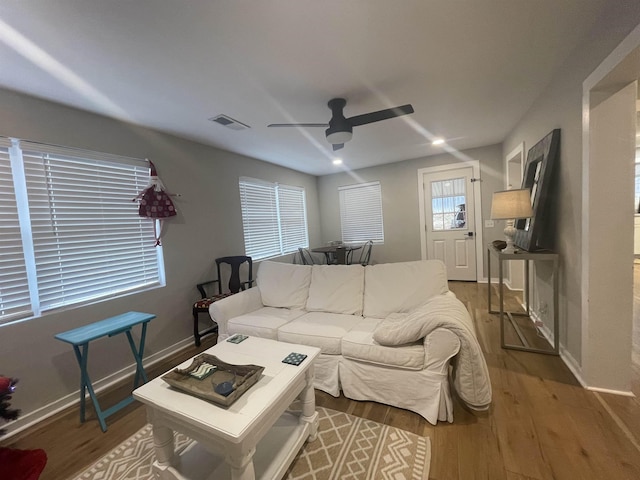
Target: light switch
489, 224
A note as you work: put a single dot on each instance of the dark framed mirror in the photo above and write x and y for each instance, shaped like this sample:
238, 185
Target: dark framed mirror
533, 233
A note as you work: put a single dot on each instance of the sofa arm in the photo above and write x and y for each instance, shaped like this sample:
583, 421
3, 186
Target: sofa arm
233, 306
440, 346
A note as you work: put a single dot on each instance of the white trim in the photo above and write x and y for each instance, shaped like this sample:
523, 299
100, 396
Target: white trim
621, 53
518, 151
622, 393
477, 200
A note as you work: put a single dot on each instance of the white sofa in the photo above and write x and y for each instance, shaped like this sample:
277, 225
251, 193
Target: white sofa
391, 333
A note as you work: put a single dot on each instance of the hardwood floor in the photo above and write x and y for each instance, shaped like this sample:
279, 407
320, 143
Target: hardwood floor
542, 423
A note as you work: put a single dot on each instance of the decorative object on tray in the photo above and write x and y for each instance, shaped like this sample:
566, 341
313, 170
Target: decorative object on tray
223, 383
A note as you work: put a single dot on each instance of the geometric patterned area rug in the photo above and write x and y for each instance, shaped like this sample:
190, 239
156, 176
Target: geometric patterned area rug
347, 447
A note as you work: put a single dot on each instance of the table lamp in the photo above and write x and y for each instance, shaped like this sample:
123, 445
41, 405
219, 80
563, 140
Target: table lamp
509, 205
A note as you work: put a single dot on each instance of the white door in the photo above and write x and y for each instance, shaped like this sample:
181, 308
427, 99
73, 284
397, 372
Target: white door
450, 221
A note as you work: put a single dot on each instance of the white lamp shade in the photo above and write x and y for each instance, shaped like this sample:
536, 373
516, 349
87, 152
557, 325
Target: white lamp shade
511, 204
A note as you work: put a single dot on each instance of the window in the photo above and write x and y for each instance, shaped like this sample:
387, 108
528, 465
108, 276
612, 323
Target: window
361, 213
274, 218
69, 230
448, 204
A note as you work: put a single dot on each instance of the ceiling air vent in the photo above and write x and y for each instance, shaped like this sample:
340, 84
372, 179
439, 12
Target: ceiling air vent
229, 122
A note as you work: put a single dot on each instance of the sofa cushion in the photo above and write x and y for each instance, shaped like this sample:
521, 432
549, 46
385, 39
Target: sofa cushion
336, 289
262, 323
319, 329
284, 285
401, 287
358, 344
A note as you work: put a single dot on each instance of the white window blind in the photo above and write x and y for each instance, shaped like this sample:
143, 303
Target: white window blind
274, 218
82, 237
293, 218
361, 213
15, 300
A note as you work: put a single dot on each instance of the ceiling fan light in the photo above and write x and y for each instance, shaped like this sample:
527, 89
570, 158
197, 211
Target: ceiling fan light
339, 137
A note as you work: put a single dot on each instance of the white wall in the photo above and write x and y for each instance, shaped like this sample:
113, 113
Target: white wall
399, 183
208, 225
560, 106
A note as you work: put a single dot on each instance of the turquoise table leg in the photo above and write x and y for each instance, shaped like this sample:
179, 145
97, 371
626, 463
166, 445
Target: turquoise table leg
137, 354
85, 384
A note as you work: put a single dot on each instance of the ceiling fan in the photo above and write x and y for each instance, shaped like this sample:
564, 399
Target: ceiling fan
340, 128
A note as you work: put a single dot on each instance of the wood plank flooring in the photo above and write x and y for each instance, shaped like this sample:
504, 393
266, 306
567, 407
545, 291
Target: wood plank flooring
542, 423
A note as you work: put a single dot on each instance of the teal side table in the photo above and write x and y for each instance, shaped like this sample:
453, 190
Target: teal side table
80, 338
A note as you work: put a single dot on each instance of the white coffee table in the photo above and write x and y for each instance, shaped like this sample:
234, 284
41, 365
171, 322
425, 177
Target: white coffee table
256, 437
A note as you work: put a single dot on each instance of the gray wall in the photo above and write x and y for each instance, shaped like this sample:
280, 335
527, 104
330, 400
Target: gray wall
560, 106
208, 225
399, 183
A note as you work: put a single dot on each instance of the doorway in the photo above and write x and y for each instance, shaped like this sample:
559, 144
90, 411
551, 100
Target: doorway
609, 128
450, 218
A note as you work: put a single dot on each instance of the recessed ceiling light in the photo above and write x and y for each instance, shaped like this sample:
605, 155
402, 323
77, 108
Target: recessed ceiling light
337, 161
437, 141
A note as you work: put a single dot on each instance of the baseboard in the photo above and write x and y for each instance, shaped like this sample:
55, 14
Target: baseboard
612, 392
497, 282
574, 366
565, 355
30, 419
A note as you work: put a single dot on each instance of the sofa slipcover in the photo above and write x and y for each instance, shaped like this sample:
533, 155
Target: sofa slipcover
342, 309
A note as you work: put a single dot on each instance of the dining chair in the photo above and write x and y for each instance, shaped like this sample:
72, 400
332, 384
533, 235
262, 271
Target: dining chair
305, 256
365, 253
207, 288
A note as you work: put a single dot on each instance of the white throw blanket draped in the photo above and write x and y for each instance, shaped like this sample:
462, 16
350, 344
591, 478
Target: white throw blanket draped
470, 373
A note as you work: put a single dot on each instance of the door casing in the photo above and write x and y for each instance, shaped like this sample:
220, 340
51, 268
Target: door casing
477, 199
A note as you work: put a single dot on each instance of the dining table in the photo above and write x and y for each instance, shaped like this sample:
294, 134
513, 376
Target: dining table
338, 254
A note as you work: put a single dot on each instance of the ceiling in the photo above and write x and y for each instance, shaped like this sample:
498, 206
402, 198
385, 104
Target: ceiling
471, 69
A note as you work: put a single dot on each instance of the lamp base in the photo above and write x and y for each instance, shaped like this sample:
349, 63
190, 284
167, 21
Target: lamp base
509, 233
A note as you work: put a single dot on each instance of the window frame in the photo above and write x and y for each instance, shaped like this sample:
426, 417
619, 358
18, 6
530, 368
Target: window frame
83, 227
357, 202
269, 218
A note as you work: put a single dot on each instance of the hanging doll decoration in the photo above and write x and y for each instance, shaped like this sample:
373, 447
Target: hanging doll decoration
155, 203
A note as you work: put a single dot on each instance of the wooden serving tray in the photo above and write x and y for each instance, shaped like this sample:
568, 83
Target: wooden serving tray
245, 376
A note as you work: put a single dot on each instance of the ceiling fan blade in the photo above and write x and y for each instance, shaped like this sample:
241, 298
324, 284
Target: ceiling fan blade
380, 115
337, 146
303, 125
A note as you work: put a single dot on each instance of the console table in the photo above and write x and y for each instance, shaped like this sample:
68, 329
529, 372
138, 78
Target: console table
528, 258
80, 338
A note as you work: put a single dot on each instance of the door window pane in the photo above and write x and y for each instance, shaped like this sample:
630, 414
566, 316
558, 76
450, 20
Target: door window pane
448, 200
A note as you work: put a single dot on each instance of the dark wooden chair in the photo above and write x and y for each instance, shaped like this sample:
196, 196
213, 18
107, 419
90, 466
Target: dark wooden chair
208, 296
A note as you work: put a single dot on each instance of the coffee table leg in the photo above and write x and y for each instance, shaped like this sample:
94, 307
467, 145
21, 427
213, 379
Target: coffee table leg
242, 466
308, 399
164, 446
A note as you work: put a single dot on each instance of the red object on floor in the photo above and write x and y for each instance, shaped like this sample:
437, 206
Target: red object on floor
21, 464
